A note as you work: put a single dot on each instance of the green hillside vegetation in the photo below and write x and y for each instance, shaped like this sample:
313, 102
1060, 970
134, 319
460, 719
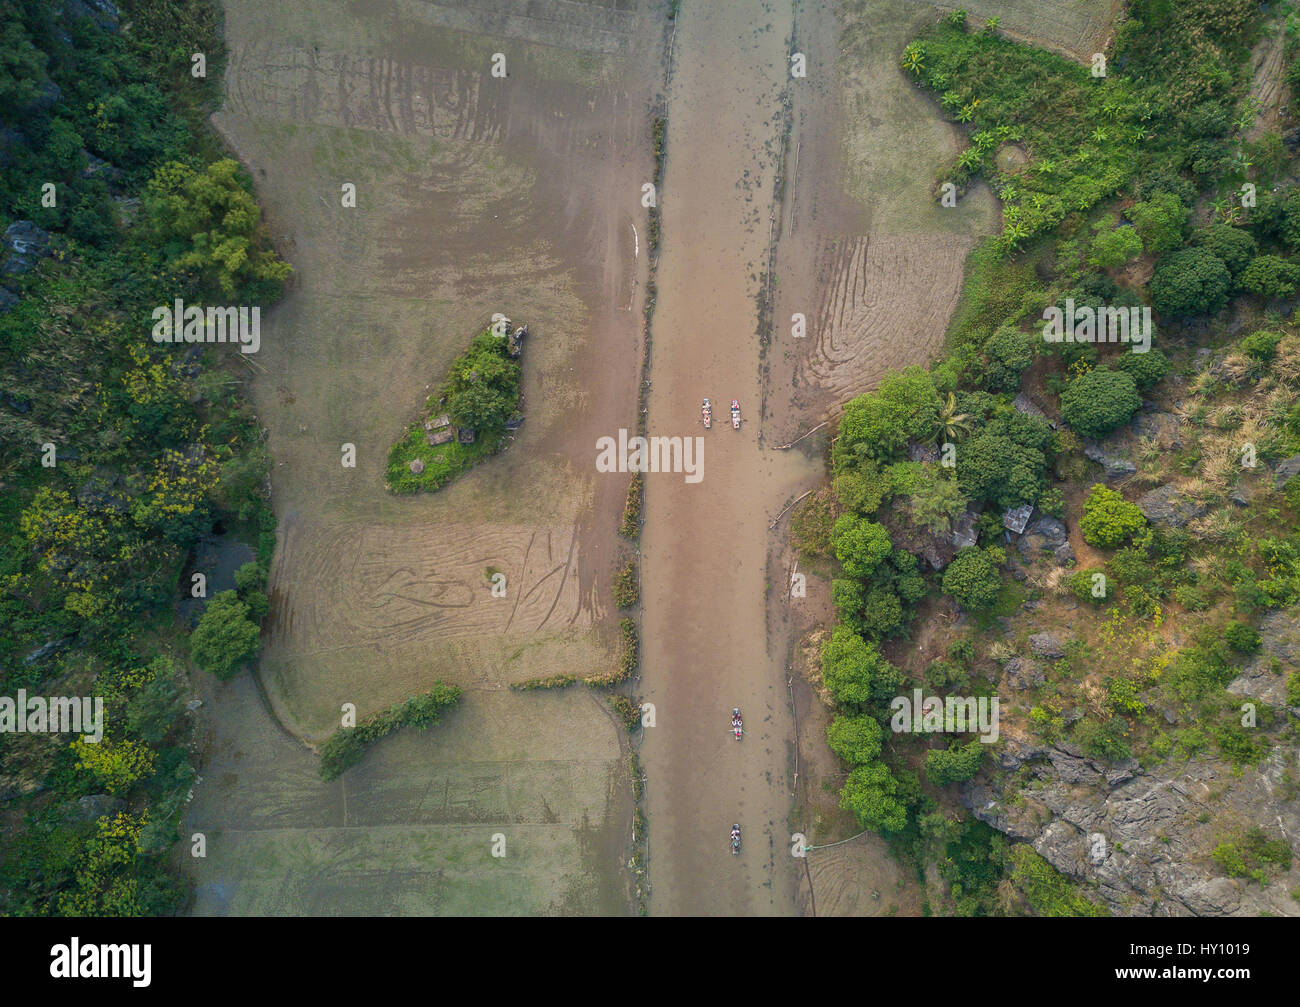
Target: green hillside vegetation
1115, 167
154, 445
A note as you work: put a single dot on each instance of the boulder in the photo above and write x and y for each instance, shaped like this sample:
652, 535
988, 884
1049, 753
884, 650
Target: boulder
1046, 535
1159, 427
25, 243
1167, 507
1047, 645
1286, 470
1024, 404
918, 452
964, 534
8, 299
1116, 465
1279, 635
1023, 673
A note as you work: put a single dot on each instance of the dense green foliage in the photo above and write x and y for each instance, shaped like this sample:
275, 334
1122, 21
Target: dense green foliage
226, 637
1108, 519
347, 745
480, 393
153, 445
1099, 401
1097, 176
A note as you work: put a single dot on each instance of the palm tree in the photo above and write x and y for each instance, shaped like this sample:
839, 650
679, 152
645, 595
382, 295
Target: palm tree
950, 424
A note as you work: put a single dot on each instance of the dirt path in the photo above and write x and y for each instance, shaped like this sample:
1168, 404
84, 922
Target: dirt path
705, 545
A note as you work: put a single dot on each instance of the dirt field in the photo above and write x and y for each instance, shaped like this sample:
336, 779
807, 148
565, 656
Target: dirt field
474, 194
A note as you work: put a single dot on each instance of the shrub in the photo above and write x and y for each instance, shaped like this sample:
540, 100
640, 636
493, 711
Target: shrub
347, 745
972, 579
877, 424
1090, 585
1108, 519
1191, 597
991, 466
1241, 638
225, 639
860, 490
1160, 221
1192, 281
1261, 346
1052, 502
856, 740
631, 525
1270, 276
1146, 369
860, 545
1112, 249
1232, 245
626, 589
855, 672
1006, 354
954, 764
1099, 401
812, 522
871, 793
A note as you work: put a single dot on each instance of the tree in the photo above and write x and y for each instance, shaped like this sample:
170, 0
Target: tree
152, 711
1006, 354
936, 500
1160, 221
1114, 248
877, 423
870, 793
1108, 519
1192, 281
115, 765
225, 638
856, 740
972, 579
1270, 276
882, 613
1097, 402
1232, 245
482, 390
1146, 369
854, 671
955, 764
860, 489
993, 467
211, 229
860, 545
951, 422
